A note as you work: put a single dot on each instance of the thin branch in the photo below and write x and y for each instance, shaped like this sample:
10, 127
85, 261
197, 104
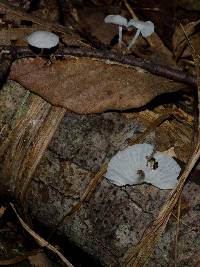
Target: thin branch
112, 57
157, 122
41, 241
133, 15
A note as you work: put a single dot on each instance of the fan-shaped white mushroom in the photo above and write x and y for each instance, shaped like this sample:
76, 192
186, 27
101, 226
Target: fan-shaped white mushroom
146, 28
139, 164
118, 20
43, 39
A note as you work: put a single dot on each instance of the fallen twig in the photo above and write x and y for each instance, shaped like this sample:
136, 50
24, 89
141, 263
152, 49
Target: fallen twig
112, 58
41, 241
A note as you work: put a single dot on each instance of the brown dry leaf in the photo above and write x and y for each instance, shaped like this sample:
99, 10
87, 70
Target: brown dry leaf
89, 86
16, 15
47, 9
39, 260
9, 35
92, 19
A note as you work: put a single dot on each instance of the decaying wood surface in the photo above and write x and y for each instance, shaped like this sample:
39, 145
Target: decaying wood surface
68, 149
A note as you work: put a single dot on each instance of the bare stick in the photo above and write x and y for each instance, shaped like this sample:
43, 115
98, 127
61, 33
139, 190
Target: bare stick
157, 69
41, 241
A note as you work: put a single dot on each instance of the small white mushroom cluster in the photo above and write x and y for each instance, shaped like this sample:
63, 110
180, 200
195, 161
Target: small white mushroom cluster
141, 164
146, 28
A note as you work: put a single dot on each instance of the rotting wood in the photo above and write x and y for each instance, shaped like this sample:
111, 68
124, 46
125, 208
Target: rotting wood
61, 180
138, 255
26, 143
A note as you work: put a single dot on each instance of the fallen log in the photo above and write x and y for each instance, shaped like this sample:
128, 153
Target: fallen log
49, 159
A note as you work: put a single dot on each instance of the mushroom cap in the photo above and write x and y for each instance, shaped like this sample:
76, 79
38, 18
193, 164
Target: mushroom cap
43, 39
165, 176
146, 27
116, 19
123, 167
130, 166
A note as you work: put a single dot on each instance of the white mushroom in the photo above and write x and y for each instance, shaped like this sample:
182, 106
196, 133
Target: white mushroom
146, 28
118, 20
139, 164
165, 175
43, 39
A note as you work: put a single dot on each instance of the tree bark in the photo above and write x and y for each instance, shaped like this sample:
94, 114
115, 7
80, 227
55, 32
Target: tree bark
49, 158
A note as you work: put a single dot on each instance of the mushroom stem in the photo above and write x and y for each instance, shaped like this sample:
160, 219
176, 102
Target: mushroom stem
120, 36
134, 39
41, 52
